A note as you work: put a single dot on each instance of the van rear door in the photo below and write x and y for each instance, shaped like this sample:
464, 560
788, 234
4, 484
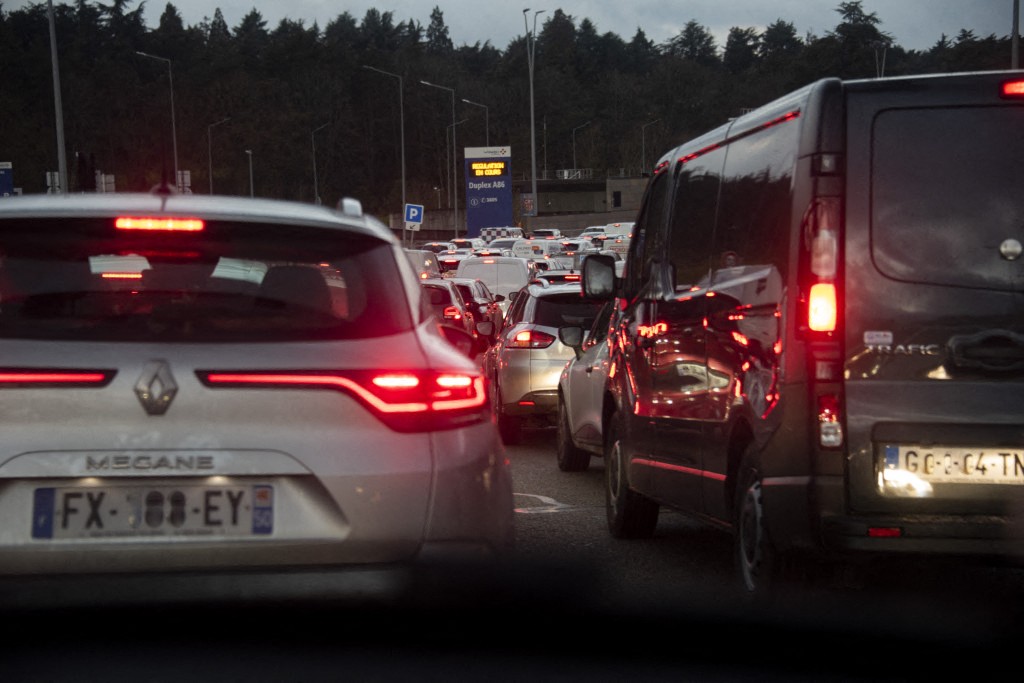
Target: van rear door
934, 295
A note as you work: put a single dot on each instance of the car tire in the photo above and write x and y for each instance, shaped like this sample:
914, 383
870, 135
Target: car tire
630, 514
571, 458
509, 427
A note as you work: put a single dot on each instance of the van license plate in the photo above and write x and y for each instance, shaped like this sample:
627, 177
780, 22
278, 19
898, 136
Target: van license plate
81, 512
958, 464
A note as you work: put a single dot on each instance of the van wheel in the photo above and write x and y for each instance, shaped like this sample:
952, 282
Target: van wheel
763, 570
570, 457
630, 514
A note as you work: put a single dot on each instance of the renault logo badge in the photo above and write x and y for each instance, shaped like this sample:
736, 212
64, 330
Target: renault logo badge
156, 387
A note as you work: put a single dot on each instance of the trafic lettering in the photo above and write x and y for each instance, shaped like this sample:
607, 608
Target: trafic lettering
906, 349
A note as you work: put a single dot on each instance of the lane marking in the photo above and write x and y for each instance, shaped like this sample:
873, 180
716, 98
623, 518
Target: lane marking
549, 505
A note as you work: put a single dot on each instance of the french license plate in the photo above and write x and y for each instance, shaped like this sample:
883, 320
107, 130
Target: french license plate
139, 511
958, 464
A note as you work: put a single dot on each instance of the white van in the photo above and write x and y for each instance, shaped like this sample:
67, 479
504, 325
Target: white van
502, 274
537, 248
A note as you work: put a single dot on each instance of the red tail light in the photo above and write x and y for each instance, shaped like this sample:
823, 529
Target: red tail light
531, 339
822, 311
452, 313
1013, 88
41, 378
823, 225
406, 401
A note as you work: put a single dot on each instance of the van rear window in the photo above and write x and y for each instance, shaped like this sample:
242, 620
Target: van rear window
946, 193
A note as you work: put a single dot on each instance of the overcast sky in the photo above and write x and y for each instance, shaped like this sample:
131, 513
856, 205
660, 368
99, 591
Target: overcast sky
913, 24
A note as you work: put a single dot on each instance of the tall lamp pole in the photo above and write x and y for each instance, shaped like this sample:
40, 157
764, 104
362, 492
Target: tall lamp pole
487, 121
455, 192
531, 46
643, 146
1015, 36
62, 160
401, 129
316, 183
209, 148
451, 126
574, 144
174, 132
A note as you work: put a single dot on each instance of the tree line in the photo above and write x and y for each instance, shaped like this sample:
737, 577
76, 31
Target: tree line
299, 104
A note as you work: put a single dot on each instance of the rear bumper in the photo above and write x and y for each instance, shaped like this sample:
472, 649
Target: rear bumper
976, 535
537, 403
810, 515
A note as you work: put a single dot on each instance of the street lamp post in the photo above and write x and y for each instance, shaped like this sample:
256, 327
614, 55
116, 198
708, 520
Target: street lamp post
574, 144
209, 148
174, 132
438, 190
487, 122
62, 160
643, 146
252, 191
316, 184
455, 192
451, 126
401, 128
531, 47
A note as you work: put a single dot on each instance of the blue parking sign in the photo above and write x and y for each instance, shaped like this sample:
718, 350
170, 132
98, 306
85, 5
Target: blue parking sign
413, 213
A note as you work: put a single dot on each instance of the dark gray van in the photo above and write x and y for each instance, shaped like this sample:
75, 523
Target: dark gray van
821, 339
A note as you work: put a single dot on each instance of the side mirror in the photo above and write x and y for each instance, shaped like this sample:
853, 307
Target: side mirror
599, 281
485, 328
572, 336
460, 339
499, 297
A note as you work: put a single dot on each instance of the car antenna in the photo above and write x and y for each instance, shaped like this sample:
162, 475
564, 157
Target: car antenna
164, 188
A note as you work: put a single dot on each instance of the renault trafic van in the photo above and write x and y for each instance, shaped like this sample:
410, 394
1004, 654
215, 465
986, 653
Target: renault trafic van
821, 330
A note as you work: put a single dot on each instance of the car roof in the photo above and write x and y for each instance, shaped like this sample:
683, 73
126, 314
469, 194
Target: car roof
217, 207
549, 288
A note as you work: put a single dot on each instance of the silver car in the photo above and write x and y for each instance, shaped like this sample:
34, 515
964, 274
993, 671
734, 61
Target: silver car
526, 359
583, 393
195, 383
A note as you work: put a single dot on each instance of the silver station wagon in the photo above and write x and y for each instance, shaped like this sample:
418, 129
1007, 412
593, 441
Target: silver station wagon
191, 383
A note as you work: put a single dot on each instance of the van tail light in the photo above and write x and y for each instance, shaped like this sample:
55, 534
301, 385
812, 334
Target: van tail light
452, 313
822, 308
406, 401
822, 229
531, 339
830, 426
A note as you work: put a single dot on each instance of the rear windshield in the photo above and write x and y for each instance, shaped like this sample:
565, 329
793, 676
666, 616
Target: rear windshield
947, 183
81, 279
559, 310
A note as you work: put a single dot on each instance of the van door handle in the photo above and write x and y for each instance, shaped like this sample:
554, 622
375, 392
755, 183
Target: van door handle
990, 350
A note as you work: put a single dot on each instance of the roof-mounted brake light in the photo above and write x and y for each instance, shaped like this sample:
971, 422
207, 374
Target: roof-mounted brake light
161, 223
